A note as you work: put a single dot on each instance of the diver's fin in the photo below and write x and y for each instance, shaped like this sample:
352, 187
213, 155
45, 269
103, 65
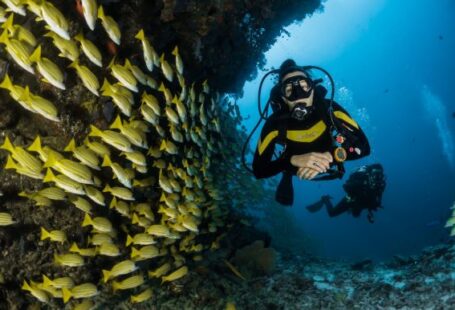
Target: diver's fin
315, 206
285, 192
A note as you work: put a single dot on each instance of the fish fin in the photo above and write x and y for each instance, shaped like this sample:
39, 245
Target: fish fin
6, 83
8, 24
36, 145
107, 188
117, 124
46, 281
95, 132
101, 12
106, 161
129, 240
4, 37
135, 219
44, 234
175, 51
140, 35
79, 37
113, 203
106, 275
36, 55
134, 252
74, 248
51, 161
112, 62
49, 177
10, 164
71, 147
87, 220
7, 145
66, 294
26, 286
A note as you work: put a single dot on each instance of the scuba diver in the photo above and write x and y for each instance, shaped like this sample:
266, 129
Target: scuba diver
363, 188
314, 135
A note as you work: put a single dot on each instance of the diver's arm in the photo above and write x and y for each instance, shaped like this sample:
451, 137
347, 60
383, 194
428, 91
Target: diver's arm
263, 165
356, 145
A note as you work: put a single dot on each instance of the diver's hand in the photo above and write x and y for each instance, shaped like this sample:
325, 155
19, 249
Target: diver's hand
319, 162
307, 173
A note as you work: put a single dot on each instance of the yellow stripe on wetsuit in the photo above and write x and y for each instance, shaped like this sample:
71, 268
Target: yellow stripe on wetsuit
343, 116
269, 138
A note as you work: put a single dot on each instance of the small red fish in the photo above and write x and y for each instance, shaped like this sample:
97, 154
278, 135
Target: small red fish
111, 47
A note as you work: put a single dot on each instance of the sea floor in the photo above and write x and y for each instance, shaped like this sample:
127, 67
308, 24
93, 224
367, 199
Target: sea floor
425, 281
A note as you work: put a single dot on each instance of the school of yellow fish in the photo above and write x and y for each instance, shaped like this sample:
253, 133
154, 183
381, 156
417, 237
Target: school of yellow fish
138, 149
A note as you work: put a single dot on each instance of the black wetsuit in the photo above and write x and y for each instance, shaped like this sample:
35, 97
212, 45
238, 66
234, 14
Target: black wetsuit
311, 135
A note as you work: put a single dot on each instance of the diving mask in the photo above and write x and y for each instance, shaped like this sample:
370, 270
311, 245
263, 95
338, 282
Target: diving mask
297, 87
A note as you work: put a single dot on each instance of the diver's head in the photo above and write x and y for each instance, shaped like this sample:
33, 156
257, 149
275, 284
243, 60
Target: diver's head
297, 88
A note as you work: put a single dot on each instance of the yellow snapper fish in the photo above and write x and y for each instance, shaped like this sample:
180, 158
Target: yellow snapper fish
39, 200
15, 92
141, 297
80, 203
102, 224
119, 172
172, 115
175, 134
53, 235
166, 69
49, 70
169, 147
90, 12
140, 221
120, 100
146, 252
99, 148
90, 50
36, 292
74, 170
149, 52
135, 136
70, 260
151, 102
178, 60
95, 195
58, 283
158, 230
44, 152
18, 51
128, 283
16, 6
145, 209
147, 182
177, 274
135, 157
10, 164
122, 268
166, 93
140, 239
99, 239
54, 18
108, 249
86, 304
181, 110
85, 290
83, 252
163, 269
164, 183
68, 48
123, 75
22, 156
53, 193
113, 138
121, 206
87, 77
110, 26
19, 32
40, 105
6, 219
136, 71
83, 154
119, 192
149, 115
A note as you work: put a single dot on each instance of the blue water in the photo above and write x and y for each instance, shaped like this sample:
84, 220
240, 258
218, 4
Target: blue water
393, 65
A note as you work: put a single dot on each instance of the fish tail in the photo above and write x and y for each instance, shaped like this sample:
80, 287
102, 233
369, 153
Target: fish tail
36, 55
46, 281
36, 145
79, 37
7, 145
4, 37
95, 132
71, 147
44, 234
113, 203
74, 248
101, 12
106, 275
106, 161
175, 52
10, 164
87, 220
107, 188
135, 219
134, 252
129, 240
66, 294
6, 83
26, 286
117, 124
51, 161
140, 35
